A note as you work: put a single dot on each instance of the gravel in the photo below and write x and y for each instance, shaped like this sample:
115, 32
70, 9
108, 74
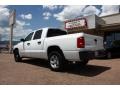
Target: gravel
37, 72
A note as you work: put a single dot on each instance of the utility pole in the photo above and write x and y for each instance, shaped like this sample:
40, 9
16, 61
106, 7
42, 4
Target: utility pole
11, 39
11, 23
0, 37
119, 8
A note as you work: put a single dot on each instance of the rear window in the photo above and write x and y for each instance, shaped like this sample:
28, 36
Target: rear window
55, 32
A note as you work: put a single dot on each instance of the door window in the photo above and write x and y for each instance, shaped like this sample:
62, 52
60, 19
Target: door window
29, 37
37, 34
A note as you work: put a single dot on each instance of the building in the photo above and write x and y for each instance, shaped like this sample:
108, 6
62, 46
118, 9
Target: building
98, 25
111, 31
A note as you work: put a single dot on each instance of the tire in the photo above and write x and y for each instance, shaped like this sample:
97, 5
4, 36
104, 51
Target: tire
17, 56
109, 55
56, 61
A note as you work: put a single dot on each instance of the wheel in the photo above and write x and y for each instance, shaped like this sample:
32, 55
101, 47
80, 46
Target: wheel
17, 56
56, 61
109, 55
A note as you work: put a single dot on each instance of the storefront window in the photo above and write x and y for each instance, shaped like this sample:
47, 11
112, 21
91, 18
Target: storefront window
109, 38
116, 42
117, 36
112, 39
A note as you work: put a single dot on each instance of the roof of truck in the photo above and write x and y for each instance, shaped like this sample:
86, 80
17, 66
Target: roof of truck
46, 28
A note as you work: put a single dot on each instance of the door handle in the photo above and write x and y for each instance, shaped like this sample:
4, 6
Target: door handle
28, 44
95, 40
39, 42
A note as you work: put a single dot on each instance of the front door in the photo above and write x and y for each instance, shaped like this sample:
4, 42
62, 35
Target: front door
27, 45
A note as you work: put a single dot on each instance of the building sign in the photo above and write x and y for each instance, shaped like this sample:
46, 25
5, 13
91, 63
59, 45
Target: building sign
12, 18
75, 23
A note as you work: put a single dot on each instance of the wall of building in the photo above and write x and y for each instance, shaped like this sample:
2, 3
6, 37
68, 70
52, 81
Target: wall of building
111, 19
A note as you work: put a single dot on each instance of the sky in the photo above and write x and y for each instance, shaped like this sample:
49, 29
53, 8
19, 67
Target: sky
33, 17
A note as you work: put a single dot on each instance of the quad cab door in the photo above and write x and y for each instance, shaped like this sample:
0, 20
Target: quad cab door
33, 45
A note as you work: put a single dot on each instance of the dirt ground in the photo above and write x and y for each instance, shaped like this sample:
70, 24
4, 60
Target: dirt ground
37, 72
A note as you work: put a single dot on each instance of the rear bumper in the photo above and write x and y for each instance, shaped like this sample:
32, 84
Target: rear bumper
86, 55
79, 55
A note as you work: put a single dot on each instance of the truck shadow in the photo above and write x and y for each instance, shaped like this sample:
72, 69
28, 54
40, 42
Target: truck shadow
89, 70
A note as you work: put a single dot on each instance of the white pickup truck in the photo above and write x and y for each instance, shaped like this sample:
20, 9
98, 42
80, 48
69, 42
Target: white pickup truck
58, 47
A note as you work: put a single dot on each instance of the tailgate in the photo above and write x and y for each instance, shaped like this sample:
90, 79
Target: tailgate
93, 42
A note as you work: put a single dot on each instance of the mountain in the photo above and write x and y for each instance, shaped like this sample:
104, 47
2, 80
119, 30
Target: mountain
7, 42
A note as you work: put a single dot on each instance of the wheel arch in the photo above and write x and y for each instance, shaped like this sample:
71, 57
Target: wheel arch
54, 48
15, 49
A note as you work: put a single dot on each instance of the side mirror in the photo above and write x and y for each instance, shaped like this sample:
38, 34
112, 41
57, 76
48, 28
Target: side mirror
22, 40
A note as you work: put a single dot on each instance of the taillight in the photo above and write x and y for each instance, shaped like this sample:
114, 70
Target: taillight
80, 42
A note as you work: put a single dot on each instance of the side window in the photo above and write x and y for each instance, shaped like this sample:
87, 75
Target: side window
55, 32
37, 34
28, 38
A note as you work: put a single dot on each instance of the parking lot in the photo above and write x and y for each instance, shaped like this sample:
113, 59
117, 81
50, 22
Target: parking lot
36, 71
